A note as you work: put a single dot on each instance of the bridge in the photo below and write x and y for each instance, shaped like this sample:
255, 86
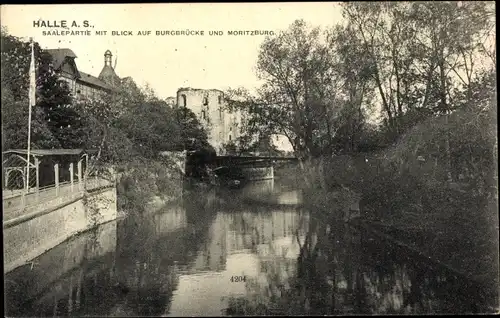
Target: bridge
200, 156
253, 167
257, 161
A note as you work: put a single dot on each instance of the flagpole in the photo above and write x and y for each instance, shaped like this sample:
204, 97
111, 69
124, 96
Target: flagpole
31, 102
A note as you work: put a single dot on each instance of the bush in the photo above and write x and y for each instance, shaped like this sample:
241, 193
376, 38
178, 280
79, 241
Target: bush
413, 175
415, 171
141, 180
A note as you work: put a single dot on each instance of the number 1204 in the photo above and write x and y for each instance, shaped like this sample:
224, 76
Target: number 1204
238, 279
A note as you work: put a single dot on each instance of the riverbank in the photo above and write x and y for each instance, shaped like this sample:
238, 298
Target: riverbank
436, 248
453, 224
447, 237
461, 235
458, 246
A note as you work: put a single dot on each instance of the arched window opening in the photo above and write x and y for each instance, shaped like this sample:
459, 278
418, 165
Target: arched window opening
220, 99
183, 100
203, 115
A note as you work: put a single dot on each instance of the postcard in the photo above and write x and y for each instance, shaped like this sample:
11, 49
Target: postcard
241, 159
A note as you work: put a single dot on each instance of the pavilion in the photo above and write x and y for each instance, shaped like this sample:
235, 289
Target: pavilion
48, 167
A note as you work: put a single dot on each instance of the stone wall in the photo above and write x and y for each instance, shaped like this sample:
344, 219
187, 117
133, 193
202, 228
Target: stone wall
28, 237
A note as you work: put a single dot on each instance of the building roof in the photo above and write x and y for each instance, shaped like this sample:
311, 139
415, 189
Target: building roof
50, 152
60, 55
92, 80
107, 79
109, 76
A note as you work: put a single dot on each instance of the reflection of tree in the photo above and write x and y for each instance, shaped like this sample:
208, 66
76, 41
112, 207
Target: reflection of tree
148, 262
54, 280
268, 291
312, 289
201, 207
340, 270
139, 279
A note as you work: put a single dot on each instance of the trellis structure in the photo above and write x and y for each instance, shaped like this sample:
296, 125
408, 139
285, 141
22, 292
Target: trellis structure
48, 167
14, 172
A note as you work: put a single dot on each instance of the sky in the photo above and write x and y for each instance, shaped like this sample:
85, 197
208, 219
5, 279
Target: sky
167, 63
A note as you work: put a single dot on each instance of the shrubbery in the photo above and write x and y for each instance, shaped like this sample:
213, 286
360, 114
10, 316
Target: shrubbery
128, 129
418, 174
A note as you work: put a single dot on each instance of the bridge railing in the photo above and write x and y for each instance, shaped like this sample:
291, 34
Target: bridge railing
25, 203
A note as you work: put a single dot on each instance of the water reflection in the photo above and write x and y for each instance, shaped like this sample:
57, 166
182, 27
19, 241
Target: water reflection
238, 244
55, 282
268, 192
179, 262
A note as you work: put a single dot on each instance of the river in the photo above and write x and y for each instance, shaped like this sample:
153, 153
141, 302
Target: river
241, 252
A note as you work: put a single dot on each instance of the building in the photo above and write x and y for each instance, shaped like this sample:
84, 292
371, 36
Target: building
209, 106
83, 85
171, 101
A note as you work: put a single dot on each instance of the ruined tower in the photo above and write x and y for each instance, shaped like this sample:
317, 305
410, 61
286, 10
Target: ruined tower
209, 107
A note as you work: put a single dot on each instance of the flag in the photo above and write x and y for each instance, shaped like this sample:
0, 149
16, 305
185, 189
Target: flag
32, 93
32, 101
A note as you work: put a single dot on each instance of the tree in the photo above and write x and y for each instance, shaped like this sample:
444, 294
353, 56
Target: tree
15, 124
318, 90
298, 98
422, 57
354, 88
192, 134
132, 124
52, 116
420, 53
151, 127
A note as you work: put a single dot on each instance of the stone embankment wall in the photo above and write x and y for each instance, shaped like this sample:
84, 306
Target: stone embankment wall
57, 273
29, 235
